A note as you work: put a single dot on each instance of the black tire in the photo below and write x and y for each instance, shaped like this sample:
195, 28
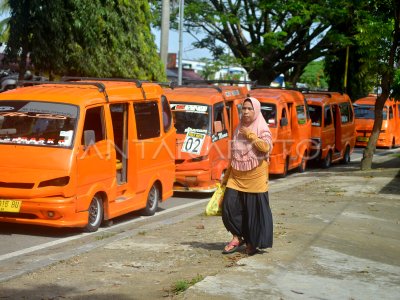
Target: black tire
303, 163
152, 201
96, 213
346, 156
327, 161
285, 169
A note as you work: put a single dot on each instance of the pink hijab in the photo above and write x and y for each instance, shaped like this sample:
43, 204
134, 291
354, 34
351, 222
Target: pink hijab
245, 156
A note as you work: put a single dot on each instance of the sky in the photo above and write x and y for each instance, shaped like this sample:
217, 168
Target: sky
189, 52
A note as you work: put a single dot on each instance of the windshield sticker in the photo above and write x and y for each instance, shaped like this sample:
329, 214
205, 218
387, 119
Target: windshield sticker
219, 135
193, 142
33, 115
201, 109
50, 109
232, 93
195, 130
5, 108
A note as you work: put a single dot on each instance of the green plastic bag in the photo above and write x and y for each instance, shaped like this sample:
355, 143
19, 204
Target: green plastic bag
214, 206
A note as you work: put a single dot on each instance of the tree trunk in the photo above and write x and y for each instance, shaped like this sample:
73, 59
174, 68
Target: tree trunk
368, 153
386, 81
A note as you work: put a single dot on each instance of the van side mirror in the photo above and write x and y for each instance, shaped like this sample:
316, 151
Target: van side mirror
217, 126
89, 137
284, 122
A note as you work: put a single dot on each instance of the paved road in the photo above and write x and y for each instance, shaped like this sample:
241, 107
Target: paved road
21, 240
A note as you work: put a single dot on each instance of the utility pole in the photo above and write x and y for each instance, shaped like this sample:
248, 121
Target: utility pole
164, 33
181, 5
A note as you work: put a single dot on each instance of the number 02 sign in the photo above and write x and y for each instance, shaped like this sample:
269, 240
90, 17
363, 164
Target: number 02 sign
193, 142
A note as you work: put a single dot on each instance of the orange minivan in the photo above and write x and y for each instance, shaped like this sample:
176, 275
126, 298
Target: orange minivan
203, 134
286, 113
364, 109
333, 127
74, 154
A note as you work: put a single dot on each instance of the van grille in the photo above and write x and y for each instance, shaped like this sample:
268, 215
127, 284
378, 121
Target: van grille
17, 215
179, 161
16, 185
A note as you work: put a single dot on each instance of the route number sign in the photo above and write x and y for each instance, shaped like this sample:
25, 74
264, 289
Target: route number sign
193, 142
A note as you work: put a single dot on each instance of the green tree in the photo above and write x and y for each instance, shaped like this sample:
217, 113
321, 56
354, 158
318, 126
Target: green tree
267, 37
314, 75
4, 27
379, 40
108, 38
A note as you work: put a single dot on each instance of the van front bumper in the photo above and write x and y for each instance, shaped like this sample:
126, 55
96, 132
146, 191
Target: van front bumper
194, 181
53, 212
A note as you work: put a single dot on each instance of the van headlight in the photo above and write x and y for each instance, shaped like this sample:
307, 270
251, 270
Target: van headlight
60, 181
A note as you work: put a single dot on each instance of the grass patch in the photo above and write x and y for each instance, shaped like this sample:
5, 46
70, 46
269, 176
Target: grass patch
396, 155
182, 285
334, 189
104, 236
142, 232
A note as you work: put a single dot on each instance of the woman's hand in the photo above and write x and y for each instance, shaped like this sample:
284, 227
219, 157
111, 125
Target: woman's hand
247, 133
244, 131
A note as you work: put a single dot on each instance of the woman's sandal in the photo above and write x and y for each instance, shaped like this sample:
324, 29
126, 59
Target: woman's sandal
232, 247
250, 250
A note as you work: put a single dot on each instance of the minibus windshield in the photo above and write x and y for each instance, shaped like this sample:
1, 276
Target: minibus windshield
315, 115
37, 123
367, 112
191, 117
269, 113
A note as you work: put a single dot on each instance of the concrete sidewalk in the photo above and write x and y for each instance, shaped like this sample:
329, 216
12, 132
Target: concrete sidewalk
339, 240
336, 236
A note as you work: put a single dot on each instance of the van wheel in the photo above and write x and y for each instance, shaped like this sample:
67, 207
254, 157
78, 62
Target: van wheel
96, 212
346, 156
303, 163
152, 201
326, 162
285, 168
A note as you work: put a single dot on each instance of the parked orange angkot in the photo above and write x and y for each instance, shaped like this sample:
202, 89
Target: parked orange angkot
365, 116
287, 116
203, 134
333, 127
73, 154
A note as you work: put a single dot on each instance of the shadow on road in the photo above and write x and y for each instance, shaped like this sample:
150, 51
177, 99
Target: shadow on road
55, 291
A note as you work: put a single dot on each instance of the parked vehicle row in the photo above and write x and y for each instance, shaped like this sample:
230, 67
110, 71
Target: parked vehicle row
365, 115
82, 151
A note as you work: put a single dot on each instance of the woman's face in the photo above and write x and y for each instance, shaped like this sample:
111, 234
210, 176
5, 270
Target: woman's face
247, 113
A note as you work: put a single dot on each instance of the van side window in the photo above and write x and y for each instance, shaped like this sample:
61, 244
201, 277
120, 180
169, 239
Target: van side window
147, 120
398, 110
327, 116
345, 112
390, 112
301, 116
284, 115
219, 114
94, 120
167, 115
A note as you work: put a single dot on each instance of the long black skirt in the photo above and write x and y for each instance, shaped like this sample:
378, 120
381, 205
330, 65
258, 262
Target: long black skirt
249, 216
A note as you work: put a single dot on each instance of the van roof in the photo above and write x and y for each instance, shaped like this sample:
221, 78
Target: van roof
370, 100
277, 95
85, 93
325, 97
205, 94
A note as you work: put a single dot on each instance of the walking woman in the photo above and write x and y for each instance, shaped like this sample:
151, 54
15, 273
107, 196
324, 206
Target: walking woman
246, 212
